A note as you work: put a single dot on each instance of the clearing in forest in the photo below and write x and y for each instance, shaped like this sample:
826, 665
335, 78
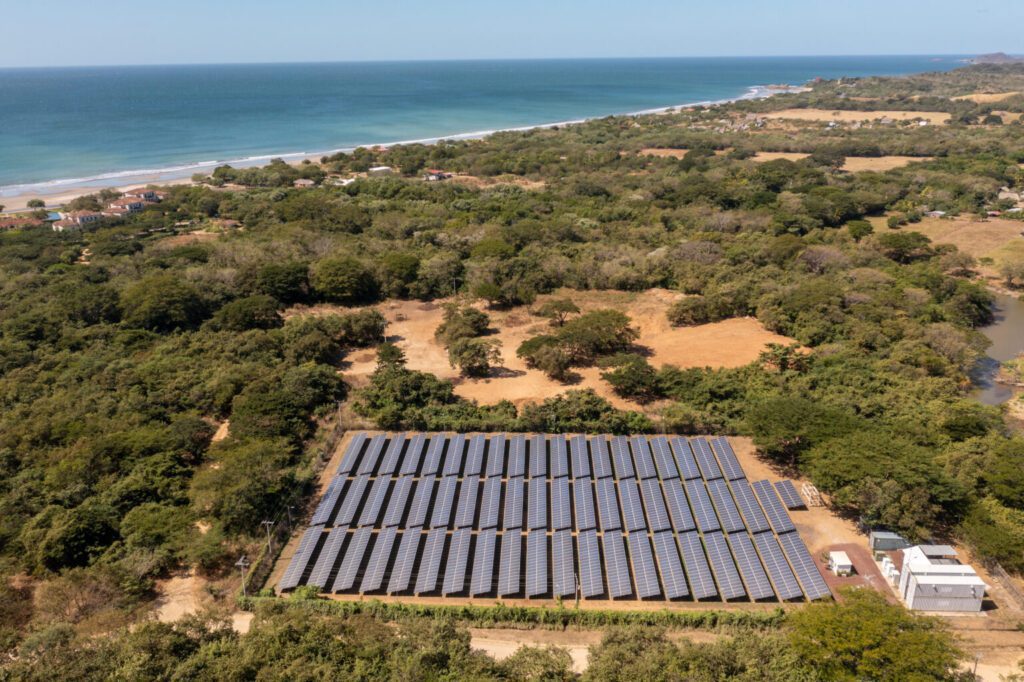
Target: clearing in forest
847, 116
985, 97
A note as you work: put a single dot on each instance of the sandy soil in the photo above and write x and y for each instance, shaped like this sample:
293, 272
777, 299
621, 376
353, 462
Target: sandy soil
763, 157
934, 117
731, 343
985, 97
179, 596
222, 431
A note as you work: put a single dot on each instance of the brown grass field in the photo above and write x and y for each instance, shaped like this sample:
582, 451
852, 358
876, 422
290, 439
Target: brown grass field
844, 116
985, 97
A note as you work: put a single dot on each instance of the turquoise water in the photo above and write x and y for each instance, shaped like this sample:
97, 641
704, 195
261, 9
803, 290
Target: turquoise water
104, 126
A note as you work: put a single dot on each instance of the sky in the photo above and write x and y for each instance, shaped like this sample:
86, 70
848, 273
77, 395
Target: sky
76, 32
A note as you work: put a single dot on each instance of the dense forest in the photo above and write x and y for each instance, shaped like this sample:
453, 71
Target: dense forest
122, 347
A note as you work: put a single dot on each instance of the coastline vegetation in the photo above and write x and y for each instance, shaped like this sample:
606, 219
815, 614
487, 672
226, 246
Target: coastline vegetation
123, 349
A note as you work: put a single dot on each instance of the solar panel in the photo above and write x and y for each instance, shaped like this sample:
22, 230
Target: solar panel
465, 513
728, 515
654, 504
750, 567
632, 510
430, 563
786, 585
678, 507
455, 566
413, 454
697, 568
643, 458
586, 516
618, 569
644, 569
351, 457
579, 456
496, 455
401, 572
490, 506
601, 459
537, 507
608, 505
591, 573
374, 503
453, 455
392, 456
517, 456
563, 569
703, 511
373, 579
536, 564
729, 584
432, 460
749, 508
482, 581
561, 509
777, 515
706, 461
538, 456
510, 565
663, 459
396, 505
621, 458
329, 501
684, 458
513, 516
420, 502
727, 458
803, 565
321, 575
475, 455
790, 497
442, 516
372, 455
303, 555
349, 569
351, 499
672, 574
559, 457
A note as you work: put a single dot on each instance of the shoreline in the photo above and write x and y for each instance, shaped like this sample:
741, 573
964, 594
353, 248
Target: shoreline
59, 191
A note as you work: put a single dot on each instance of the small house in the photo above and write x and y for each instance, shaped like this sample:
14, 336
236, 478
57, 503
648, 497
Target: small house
933, 579
304, 183
381, 170
143, 194
935, 214
435, 175
840, 564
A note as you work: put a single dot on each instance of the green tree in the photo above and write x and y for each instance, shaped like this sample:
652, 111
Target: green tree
632, 377
474, 357
859, 229
163, 303
557, 310
252, 312
343, 280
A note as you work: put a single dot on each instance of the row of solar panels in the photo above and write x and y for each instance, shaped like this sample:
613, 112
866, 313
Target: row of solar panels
725, 566
514, 455
558, 504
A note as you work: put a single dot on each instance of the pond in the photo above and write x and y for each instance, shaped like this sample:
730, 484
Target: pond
1007, 336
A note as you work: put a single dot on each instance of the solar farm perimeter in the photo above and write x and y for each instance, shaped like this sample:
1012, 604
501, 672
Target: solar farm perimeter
540, 517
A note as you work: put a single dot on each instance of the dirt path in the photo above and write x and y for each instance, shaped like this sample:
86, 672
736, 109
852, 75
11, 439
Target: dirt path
180, 596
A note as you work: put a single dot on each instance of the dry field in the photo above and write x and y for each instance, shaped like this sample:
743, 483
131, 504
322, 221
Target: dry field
412, 324
994, 238
856, 164
484, 183
845, 116
985, 97
662, 152
764, 157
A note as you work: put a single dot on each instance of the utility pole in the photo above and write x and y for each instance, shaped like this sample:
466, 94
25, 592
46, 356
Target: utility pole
243, 563
291, 524
270, 545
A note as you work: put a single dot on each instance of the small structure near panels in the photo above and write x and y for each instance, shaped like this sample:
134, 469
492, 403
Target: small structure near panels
840, 564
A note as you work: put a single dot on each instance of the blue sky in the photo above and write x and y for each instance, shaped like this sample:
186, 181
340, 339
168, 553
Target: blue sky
77, 32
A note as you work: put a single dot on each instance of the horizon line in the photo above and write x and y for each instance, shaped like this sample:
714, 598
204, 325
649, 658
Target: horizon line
967, 55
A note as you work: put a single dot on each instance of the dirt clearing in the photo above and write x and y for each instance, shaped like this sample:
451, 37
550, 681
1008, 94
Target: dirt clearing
411, 325
856, 164
979, 238
985, 97
846, 116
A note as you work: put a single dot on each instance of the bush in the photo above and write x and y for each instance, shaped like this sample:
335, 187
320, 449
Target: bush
254, 312
633, 378
474, 357
344, 280
162, 303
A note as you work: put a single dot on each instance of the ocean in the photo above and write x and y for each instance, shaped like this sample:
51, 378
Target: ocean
108, 126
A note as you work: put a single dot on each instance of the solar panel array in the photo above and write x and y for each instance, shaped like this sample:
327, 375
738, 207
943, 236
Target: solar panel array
536, 516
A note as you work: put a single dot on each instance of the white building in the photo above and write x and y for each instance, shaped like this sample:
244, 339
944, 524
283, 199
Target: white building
933, 579
839, 563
